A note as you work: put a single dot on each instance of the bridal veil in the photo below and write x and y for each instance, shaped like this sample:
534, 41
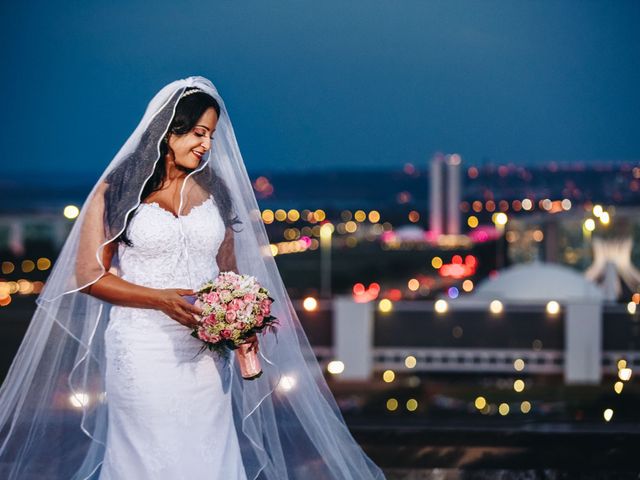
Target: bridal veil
53, 406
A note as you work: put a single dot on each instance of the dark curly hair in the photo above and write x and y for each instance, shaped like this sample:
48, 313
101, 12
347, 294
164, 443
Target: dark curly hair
187, 112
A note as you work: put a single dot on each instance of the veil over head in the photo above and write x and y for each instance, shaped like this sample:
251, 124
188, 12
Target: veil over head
53, 407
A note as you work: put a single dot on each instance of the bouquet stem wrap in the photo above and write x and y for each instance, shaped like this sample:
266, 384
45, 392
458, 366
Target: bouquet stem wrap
249, 362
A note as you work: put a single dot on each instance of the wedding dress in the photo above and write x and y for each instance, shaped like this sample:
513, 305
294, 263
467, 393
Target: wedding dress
170, 415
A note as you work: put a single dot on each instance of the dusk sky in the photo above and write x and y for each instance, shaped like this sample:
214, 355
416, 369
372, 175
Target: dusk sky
323, 84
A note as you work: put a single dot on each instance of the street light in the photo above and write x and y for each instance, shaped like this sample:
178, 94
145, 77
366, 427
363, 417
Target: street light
326, 233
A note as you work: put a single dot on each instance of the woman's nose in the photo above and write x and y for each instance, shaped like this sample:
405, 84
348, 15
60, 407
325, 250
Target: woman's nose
206, 144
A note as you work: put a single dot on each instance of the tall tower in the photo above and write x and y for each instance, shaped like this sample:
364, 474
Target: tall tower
436, 191
445, 194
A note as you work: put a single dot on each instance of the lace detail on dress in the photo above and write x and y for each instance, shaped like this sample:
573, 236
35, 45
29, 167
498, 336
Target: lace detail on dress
170, 251
156, 374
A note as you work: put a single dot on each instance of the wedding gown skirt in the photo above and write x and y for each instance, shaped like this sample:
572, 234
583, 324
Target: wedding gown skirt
169, 408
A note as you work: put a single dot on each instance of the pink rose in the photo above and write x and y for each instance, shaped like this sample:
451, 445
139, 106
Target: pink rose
259, 320
209, 320
249, 298
236, 304
226, 334
212, 297
231, 315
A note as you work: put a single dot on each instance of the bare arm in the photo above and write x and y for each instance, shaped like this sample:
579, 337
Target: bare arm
226, 257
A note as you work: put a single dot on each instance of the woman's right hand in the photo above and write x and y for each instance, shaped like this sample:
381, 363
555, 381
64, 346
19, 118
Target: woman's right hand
171, 303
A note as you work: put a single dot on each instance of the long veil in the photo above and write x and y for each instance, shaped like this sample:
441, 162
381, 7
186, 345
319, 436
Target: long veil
53, 406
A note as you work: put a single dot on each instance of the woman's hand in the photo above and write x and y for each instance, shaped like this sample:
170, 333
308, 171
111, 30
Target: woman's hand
171, 303
253, 343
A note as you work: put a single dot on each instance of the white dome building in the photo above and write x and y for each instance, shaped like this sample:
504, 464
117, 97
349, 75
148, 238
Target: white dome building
538, 282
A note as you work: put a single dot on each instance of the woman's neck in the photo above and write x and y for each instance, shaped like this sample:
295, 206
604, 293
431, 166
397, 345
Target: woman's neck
173, 172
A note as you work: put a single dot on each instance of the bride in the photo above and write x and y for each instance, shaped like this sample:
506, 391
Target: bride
108, 382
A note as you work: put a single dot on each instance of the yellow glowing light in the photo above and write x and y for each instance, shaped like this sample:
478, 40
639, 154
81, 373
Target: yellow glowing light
4, 290
392, 404
385, 305
518, 364
335, 367
622, 363
566, 204
414, 285
604, 218
44, 263
441, 306
525, 407
374, 216
7, 268
410, 361
267, 216
310, 304
350, 226
480, 403
293, 215
518, 385
527, 204
501, 219
320, 215
412, 404
326, 230
71, 212
28, 266
607, 414
553, 307
597, 210
467, 285
280, 215
624, 374
538, 235
360, 216
631, 307
589, 225
472, 221
436, 262
617, 387
496, 307
388, 376
503, 409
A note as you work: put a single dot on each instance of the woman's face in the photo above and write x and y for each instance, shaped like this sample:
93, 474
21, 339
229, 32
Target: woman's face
188, 149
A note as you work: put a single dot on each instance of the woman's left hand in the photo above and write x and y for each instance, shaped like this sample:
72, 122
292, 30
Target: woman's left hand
253, 343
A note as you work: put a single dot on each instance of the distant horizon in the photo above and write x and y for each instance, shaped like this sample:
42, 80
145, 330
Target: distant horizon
84, 175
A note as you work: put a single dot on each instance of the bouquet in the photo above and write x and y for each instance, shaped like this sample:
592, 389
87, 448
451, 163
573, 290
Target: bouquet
234, 308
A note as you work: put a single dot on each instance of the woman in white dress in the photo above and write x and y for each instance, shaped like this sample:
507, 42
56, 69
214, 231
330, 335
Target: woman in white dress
108, 382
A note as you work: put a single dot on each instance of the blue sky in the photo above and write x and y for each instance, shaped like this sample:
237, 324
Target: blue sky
327, 84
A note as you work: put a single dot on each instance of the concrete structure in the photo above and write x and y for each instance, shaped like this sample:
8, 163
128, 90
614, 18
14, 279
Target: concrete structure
540, 283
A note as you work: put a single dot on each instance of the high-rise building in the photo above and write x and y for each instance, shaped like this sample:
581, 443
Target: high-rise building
445, 194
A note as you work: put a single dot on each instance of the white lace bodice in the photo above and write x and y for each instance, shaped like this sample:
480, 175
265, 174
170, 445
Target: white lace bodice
169, 251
